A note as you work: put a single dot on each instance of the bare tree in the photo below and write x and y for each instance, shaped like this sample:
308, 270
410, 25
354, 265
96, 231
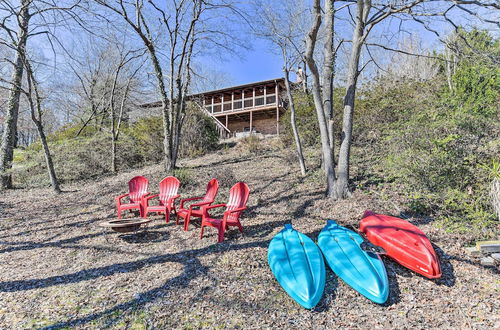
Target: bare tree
281, 29
35, 104
367, 16
327, 154
117, 110
16, 27
181, 22
18, 41
329, 71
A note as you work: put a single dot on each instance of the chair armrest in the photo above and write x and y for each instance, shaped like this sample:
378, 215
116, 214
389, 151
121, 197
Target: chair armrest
173, 198
214, 206
206, 208
120, 197
188, 199
151, 196
240, 209
199, 204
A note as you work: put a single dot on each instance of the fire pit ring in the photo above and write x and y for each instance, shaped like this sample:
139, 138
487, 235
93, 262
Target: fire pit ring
125, 225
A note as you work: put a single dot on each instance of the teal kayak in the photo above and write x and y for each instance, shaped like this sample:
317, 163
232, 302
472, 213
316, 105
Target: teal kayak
363, 271
298, 265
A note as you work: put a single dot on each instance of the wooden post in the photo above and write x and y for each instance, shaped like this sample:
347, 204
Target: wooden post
277, 110
277, 120
265, 95
253, 98
227, 122
243, 99
222, 103
251, 111
212, 107
276, 94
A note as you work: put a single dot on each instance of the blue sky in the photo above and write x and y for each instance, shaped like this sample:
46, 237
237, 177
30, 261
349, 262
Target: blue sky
258, 64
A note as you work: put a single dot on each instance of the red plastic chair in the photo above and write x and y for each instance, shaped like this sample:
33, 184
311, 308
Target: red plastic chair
238, 197
138, 187
167, 196
187, 213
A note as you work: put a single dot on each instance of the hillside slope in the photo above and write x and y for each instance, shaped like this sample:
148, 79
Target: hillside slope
59, 268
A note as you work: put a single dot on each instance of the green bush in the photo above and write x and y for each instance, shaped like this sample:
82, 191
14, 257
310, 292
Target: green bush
250, 144
307, 122
432, 150
89, 154
199, 133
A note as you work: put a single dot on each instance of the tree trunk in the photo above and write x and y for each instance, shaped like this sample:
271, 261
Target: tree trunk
342, 185
33, 88
10, 124
48, 157
296, 136
166, 104
318, 103
113, 153
328, 73
304, 81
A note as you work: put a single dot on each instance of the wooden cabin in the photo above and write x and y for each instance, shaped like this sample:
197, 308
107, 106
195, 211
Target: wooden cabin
239, 110
246, 109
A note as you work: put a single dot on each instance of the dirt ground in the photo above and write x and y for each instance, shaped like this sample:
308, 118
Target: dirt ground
59, 269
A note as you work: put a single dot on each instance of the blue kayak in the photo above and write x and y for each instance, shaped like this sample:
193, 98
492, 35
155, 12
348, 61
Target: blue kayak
363, 271
298, 265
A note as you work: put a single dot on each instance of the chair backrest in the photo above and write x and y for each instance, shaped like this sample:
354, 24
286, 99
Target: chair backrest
137, 187
168, 188
238, 196
212, 189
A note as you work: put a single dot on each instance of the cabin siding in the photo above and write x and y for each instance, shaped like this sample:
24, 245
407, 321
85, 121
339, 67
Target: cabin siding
260, 125
235, 109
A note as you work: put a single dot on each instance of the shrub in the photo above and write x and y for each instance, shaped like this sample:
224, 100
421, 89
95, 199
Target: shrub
432, 151
199, 133
250, 144
307, 122
88, 155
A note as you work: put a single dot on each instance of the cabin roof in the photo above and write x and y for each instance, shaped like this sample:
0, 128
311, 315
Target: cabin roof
222, 90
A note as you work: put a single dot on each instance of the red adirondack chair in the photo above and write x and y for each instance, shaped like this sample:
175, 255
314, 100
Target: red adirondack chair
167, 196
138, 187
238, 197
191, 211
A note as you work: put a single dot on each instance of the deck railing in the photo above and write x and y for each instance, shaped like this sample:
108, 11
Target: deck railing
242, 104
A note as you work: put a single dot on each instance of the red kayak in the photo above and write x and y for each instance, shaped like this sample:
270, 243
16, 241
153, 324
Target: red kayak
403, 242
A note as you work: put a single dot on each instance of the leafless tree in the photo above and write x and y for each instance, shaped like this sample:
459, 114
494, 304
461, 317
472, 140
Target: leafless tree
18, 40
367, 16
116, 109
35, 104
20, 21
183, 25
321, 113
281, 29
329, 71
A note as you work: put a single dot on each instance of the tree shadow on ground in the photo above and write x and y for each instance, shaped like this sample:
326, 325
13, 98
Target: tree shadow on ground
392, 269
22, 246
233, 161
66, 225
448, 272
471, 261
145, 236
189, 259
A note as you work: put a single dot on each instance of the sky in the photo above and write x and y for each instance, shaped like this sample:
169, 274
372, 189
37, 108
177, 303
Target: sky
258, 64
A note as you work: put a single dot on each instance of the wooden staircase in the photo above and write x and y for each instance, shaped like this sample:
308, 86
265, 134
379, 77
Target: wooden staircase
223, 131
